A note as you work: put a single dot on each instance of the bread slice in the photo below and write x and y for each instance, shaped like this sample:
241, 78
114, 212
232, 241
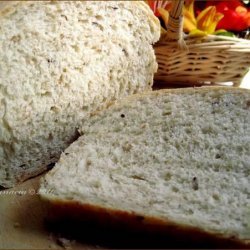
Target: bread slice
60, 61
177, 159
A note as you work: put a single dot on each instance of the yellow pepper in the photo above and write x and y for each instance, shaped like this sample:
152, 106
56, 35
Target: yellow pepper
204, 24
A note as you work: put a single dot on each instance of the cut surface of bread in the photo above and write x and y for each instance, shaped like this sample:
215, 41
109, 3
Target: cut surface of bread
60, 61
179, 156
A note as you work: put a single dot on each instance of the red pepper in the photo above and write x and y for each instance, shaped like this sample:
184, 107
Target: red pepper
236, 16
231, 4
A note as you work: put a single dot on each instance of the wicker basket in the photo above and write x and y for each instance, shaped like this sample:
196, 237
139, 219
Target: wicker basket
210, 60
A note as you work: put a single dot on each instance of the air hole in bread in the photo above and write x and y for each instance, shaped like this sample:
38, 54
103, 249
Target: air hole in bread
50, 137
76, 48
16, 38
216, 197
217, 156
175, 189
50, 166
99, 17
125, 52
166, 112
248, 104
137, 177
54, 109
167, 176
65, 17
195, 184
47, 93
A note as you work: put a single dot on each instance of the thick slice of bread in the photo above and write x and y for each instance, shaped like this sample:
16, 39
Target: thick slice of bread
175, 158
60, 61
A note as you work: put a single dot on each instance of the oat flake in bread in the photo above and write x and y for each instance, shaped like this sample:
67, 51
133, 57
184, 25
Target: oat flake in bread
60, 61
174, 158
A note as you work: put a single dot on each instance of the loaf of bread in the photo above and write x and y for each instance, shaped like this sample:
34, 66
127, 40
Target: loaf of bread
178, 159
60, 61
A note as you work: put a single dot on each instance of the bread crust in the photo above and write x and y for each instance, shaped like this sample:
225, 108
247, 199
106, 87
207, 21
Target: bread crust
68, 213
188, 90
161, 92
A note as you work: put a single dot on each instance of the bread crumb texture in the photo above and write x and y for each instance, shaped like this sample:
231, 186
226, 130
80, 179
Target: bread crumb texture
180, 156
60, 61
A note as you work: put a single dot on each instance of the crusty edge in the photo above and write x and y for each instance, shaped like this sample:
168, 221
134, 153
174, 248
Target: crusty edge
78, 213
191, 90
161, 92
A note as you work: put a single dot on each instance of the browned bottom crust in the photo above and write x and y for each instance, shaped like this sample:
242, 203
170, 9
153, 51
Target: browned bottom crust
122, 229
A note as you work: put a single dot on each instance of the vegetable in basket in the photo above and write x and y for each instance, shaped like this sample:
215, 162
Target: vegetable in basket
207, 17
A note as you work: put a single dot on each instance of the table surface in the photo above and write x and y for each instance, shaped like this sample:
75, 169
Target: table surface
22, 216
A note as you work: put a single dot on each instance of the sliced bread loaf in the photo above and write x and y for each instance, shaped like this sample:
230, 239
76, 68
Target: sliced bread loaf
60, 61
178, 159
